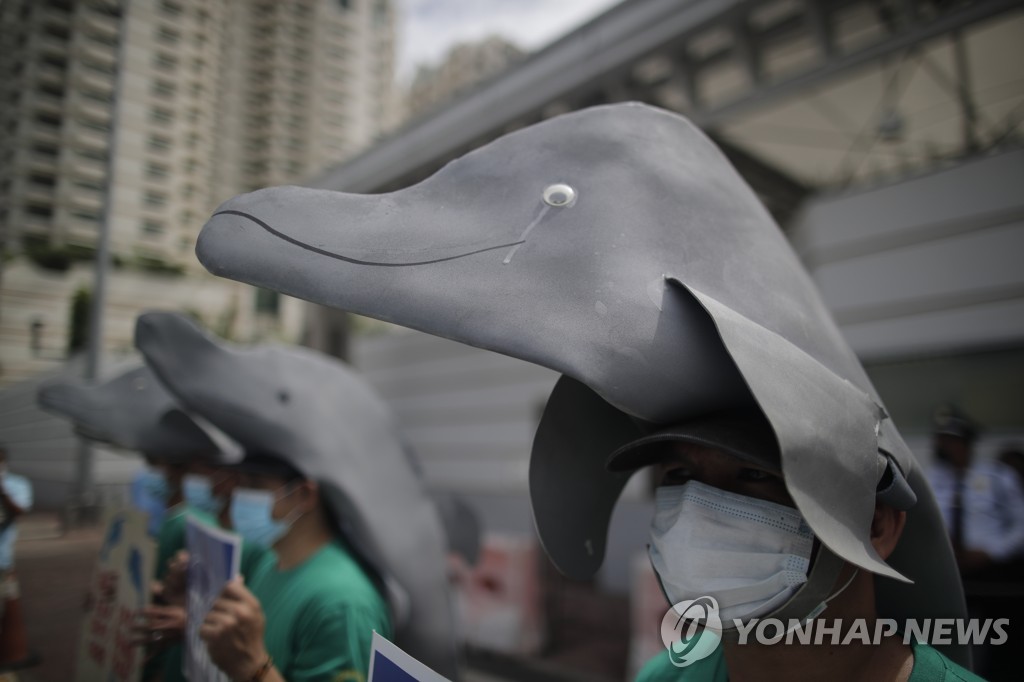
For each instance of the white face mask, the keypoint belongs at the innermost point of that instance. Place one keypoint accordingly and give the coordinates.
(750, 555)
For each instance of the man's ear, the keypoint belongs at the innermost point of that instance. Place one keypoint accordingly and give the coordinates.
(886, 528)
(310, 495)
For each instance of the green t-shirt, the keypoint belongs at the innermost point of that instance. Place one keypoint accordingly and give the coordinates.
(320, 616)
(929, 666)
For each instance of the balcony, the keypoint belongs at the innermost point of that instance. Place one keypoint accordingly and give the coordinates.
(88, 137)
(44, 132)
(101, 54)
(92, 109)
(40, 161)
(51, 45)
(86, 200)
(90, 169)
(97, 81)
(39, 193)
(44, 101)
(47, 73)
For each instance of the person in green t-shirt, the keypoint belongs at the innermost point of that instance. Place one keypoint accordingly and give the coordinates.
(308, 614)
(206, 490)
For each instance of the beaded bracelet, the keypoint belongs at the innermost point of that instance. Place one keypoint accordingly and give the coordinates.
(264, 669)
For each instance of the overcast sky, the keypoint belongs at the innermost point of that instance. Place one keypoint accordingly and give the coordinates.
(429, 27)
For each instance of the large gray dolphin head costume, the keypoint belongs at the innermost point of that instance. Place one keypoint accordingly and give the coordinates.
(617, 246)
(131, 410)
(323, 420)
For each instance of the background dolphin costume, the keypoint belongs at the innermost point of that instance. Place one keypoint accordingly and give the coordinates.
(133, 411)
(618, 246)
(332, 428)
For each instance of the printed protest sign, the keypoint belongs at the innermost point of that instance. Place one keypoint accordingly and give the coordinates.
(213, 560)
(388, 663)
(119, 589)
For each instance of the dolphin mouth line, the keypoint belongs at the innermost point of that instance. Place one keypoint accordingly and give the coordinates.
(338, 256)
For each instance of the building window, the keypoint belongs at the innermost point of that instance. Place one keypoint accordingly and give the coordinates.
(94, 125)
(152, 227)
(55, 61)
(91, 185)
(51, 89)
(171, 8)
(97, 67)
(163, 88)
(95, 96)
(104, 38)
(93, 154)
(161, 115)
(39, 211)
(167, 35)
(87, 216)
(155, 171)
(60, 32)
(154, 199)
(165, 62)
(45, 149)
(46, 118)
(267, 302)
(159, 142)
(42, 180)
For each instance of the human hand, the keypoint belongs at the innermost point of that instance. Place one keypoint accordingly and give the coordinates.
(174, 589)
(159, 625)
(233, 632)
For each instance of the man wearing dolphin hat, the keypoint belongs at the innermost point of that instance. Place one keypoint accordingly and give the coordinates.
(133, 411)
(327, 482)
(617, 246)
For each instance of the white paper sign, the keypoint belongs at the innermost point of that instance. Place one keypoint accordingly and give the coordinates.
(388, 663)
(213, 559)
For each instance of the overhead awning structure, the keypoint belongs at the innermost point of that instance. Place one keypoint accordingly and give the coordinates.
(803, 95)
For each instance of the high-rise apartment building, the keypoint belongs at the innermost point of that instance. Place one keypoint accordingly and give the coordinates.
(464, 66)
(197, 100)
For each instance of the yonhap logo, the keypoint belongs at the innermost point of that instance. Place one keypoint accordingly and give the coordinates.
(691, 630)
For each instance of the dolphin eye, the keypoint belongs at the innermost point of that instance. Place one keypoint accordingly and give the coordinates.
(559, 195)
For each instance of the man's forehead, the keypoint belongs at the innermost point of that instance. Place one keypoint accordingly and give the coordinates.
(687, 452)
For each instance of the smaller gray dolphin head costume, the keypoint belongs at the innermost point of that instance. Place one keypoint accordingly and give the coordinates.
(316, 415)
(132, 411)
(618, 246)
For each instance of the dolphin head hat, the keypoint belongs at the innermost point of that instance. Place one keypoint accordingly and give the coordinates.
(132, 410)
(316, 415)
(618, 246)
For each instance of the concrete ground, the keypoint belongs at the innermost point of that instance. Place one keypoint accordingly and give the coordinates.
(54, 571)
